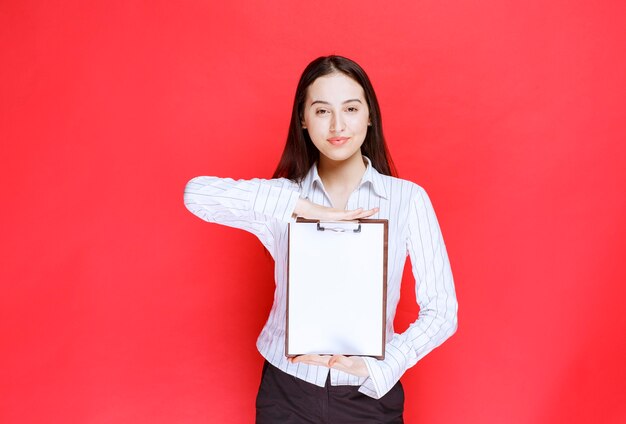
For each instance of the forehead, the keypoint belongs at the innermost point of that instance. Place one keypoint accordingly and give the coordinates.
(335, 88)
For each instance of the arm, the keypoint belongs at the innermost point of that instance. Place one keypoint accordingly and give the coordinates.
(435, 295)
(252, 205)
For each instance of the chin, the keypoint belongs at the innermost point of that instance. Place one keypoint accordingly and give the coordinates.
(339, 156)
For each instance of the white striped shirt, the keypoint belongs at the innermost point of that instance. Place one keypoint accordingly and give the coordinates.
(265, 208)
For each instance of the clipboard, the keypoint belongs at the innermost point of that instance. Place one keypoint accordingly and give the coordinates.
(337, 288)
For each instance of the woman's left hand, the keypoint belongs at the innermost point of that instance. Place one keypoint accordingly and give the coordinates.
(351, 364)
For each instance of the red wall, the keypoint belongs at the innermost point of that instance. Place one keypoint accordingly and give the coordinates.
(119, 306)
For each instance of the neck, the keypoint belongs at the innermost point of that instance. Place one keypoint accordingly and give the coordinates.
(342, 175)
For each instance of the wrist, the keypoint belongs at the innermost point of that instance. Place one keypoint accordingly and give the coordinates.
(302, 207)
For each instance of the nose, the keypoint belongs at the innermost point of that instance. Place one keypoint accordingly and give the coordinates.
(337, 124)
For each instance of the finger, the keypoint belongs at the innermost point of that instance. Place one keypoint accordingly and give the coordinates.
(339, 361)
(340, 215)
(368, 213)
(365, 214)
(358, 213)
(351, 365)
(311, 359)
(353, 214)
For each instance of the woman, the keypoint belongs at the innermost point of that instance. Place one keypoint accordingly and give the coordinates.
(335, 166)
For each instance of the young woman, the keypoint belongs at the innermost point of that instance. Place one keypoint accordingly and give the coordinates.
(335, 166)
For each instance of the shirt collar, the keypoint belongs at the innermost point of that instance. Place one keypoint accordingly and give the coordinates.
(371, 176)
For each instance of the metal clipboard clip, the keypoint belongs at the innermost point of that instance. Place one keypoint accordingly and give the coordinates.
(338, 227)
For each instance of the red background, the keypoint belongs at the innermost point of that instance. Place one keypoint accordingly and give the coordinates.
(119, 306)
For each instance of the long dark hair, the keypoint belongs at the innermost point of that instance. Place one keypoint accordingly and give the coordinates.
(300, 153)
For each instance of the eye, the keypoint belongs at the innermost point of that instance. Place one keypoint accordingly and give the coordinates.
(321, 111)
(352, 109)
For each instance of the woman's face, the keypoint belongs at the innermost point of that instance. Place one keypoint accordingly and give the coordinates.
(336, 116)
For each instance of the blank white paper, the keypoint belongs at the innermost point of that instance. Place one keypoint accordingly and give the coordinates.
(336, 290)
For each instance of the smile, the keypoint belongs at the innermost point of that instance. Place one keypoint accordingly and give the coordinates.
(338, 141)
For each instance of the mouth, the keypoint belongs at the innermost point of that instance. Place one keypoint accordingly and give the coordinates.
(338, 141)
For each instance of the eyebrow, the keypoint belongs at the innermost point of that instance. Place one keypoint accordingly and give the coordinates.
(327, 103)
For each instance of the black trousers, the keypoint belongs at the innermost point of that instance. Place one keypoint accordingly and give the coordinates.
(284, 399)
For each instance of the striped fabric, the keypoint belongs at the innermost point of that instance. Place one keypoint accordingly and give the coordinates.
(265, 207)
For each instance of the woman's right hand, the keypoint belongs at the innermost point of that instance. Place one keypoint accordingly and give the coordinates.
(306, 209)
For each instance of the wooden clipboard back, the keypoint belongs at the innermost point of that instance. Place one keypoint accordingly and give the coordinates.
(337, 288)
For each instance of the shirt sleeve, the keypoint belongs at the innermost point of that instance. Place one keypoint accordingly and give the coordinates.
(251, 205)
(435, 295)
